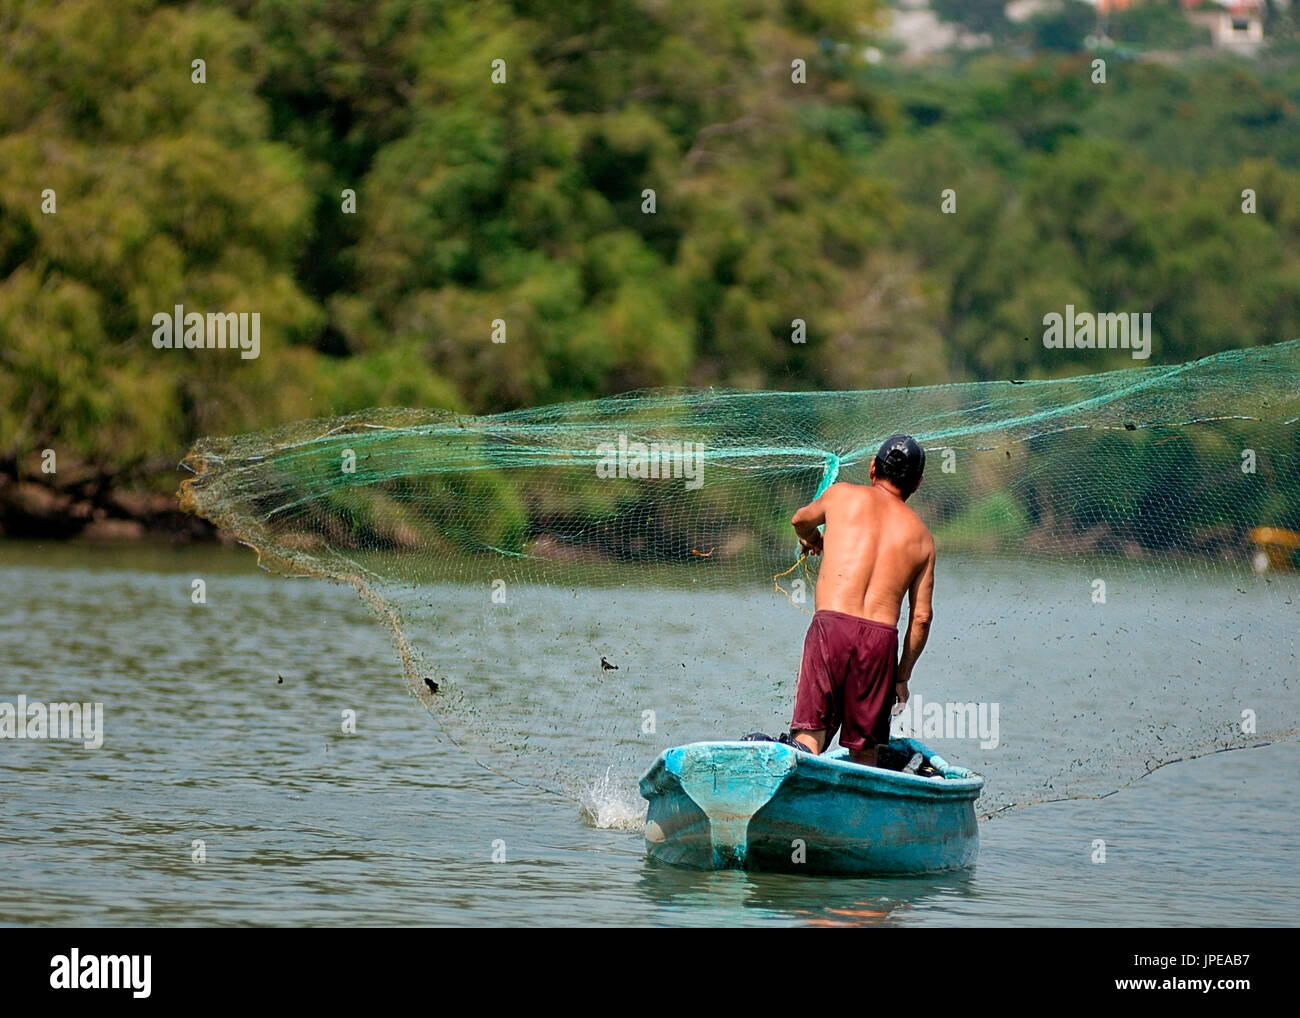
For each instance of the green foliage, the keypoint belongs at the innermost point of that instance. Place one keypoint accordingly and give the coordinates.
(975, 15)
(1066, 194)
(523, 202)
(1064, 26)
(1156, 24)
(996, 522)
(168, 192)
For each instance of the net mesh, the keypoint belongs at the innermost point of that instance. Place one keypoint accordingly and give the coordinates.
(572, 588)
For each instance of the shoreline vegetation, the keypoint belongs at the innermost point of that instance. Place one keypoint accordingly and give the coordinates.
(597, 566)
(79, 501)
(918, 222)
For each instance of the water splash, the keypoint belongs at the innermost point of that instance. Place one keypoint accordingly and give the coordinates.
(610, 804)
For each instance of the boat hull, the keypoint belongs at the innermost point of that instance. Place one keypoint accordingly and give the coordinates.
(765, 806)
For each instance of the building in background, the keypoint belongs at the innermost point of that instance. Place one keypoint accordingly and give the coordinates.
(1236, 25)
(920, 29)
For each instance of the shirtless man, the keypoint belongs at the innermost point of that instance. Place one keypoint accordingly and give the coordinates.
(874, 550)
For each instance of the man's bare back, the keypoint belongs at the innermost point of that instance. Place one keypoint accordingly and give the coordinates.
(874, 550)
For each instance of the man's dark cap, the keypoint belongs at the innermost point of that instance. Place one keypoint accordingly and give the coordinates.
(902, 461)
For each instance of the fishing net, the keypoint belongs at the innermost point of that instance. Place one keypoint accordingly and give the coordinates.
(573, 588)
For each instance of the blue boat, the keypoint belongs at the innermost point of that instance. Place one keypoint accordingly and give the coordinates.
(766, 806)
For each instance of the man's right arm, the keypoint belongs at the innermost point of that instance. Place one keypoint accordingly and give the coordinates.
(807, 521)
(918, 622)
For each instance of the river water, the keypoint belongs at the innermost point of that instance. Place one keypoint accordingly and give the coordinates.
(226, 791)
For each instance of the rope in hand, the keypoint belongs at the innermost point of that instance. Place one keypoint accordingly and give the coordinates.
(808, 574)
(829, 476)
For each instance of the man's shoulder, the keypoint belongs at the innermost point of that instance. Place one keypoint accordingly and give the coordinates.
(923, 534)
(848, 493)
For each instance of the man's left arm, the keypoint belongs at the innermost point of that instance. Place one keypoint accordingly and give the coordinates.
(920, 596)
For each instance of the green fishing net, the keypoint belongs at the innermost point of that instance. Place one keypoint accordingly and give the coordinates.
(573, 588)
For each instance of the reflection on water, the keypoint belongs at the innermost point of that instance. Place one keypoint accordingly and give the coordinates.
(801, 901)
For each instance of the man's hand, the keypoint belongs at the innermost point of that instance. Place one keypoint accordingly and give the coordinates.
(901, 691)
(812, 544)
(807, 523)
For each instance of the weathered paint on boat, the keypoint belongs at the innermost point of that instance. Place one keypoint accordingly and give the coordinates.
(765, 806)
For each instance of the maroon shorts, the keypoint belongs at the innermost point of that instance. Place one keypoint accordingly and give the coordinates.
(847, 679)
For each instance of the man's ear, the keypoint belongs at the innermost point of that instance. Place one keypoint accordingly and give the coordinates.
(871, 470)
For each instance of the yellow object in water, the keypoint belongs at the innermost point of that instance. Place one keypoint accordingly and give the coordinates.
(1275, 547)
